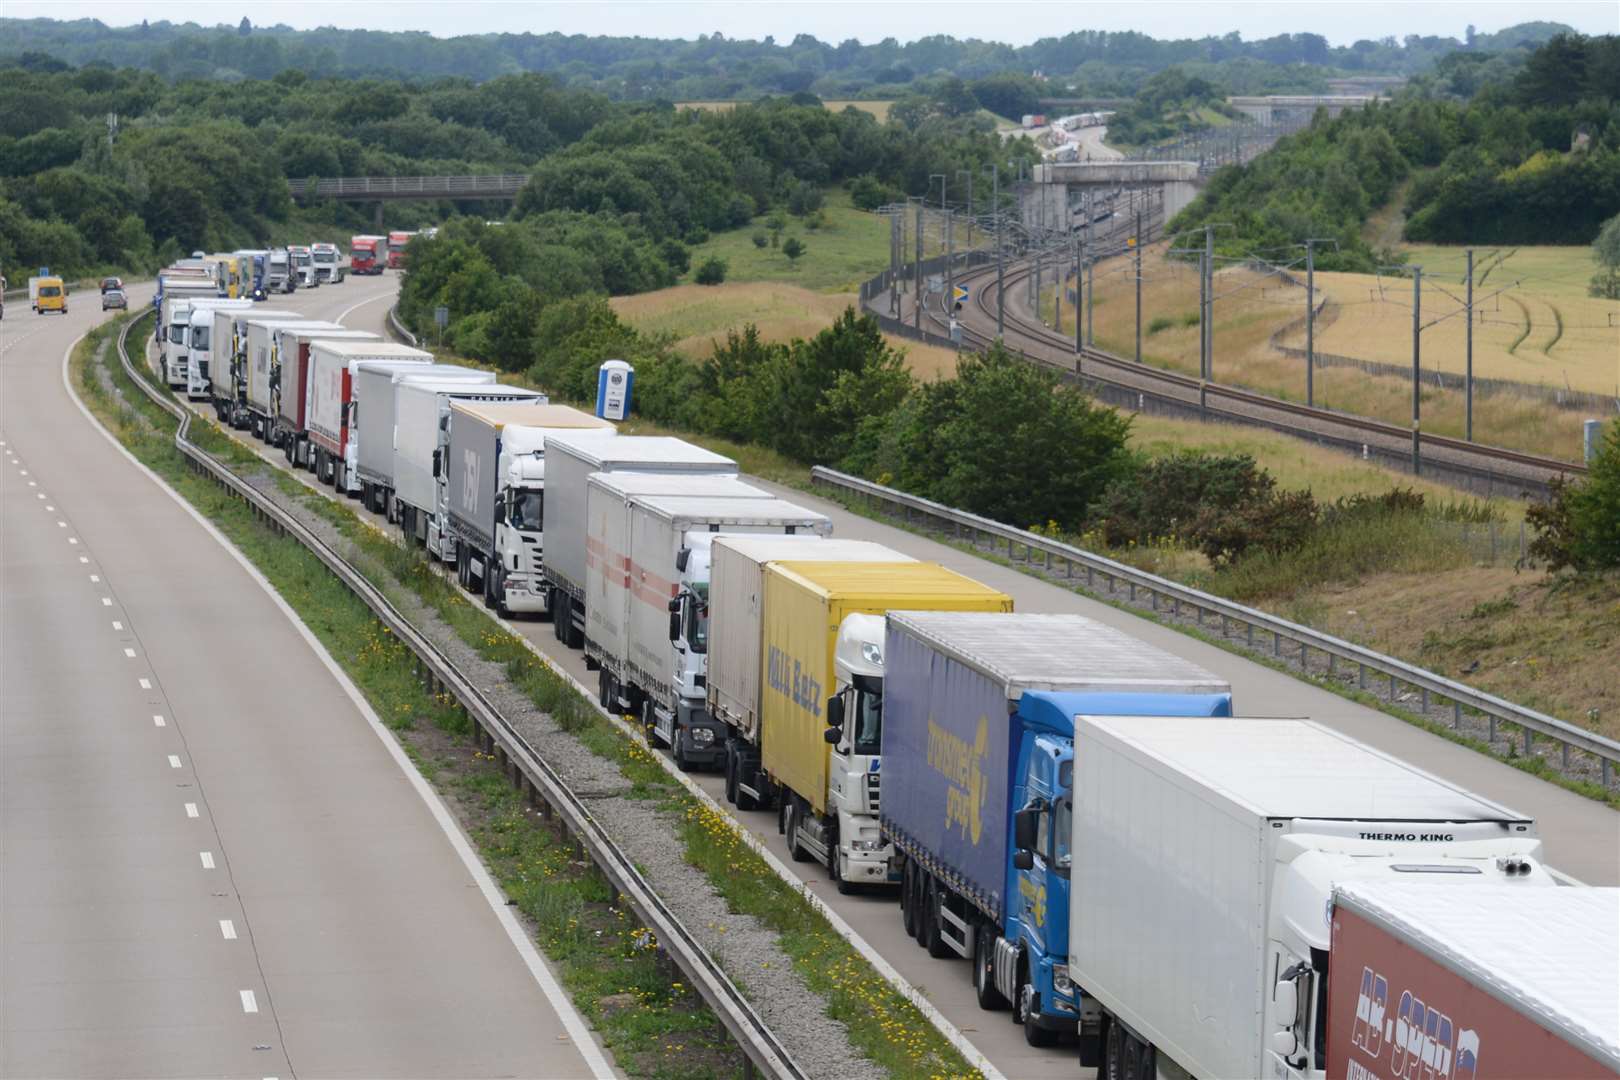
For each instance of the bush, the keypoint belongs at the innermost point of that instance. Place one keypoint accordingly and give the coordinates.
(793, 247)
(1159, 324)
(712, 271)
(806, 198)
(1578, 526)
(761, 240)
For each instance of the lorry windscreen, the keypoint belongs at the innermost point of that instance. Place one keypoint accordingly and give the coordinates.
(528, 511)
(300, 258)
(177, 333)
(199, 336)
(326, 256)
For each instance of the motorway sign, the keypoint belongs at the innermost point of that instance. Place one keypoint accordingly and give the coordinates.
(960, 295)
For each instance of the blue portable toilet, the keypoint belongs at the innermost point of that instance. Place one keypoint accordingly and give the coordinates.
(614, 380)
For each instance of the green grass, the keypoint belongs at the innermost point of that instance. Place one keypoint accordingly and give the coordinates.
(851, 247)
(881, 1023)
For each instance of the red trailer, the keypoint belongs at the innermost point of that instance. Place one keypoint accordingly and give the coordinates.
(365, 254)
(396, 248)
(1499, 981)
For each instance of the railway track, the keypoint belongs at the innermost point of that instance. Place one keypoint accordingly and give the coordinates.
(1121, 381)
(764, 1051)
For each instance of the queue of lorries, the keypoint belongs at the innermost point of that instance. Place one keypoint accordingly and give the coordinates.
(1127, 863)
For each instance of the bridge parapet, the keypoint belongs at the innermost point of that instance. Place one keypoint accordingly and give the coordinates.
(378, 188)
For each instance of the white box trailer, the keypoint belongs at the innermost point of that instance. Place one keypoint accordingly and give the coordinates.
(571, 459)
(421, 414)
(495, 476)
(227, 372)
(285, 389)
(373, 368)
(199, 341)
(294, 343)
(736, 602)
(641, 559)
(259, 342)
(1204, 856)
(333, 414)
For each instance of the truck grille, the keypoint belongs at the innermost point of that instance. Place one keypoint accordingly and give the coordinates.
(873, 781)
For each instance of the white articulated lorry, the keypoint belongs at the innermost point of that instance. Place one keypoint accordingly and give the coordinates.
(264, 368)
(421, 416)
(374, 421)
(333, 413)
(228, 360)
(174, 315)
(495, 475)
(570, 461)
(199, 342)
(1205, 853)
(648, 542)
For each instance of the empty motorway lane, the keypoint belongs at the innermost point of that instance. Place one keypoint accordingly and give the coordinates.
(210, 862)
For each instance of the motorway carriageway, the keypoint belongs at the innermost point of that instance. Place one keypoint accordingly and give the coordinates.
(1582, 837)
(213, 860)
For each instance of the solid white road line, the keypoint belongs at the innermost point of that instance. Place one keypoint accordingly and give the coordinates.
(191, 809)
(250, 1004)
(227, 929)
(207, 859)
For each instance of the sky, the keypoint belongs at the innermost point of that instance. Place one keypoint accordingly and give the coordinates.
(1016, 22)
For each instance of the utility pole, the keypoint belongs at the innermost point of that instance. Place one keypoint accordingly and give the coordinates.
(1206, 308)
(1079, 261)
(1468, 378)
(917, 288)
(1138, 246)
(1417, 367)
(969, 174)
(1310, 323)
(1001, 255)
(1091, 298)
(950, 269)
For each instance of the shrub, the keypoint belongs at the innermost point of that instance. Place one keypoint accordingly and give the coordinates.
(712, 271)
(1159, 324)
(1578, 526)
(760, 239)
(793, 247)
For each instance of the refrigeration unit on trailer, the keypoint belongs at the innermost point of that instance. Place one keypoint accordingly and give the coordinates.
(371, 445)
(570, 461)
(1205, 853)
(495, 473)
(979, 777)
(199, 342)
(293, 343)
(262, 367)
(332, 418)
(649, 543)
(421, 417)
(1504, 983)
(228, 358)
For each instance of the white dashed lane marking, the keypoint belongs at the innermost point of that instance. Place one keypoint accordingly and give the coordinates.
(130, 653)
(191, 809)
(207, 859)
(106, 601)
(146, 684)
(250, 1004)
(227, 929)
(158, 721)
(174, 761)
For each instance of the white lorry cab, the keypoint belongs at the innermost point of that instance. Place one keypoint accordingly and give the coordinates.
(199, 318)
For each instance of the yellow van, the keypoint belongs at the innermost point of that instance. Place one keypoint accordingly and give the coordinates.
(51, 295)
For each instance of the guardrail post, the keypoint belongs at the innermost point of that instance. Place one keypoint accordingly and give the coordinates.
(1276, 643)
(1493, 731)
(1605, 767)
(1528, 748)
(1361, 676)
(1456, 714)
(1564, 755)
(1425, 691)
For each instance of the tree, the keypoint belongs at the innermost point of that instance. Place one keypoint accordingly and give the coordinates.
(793, 248)
(244, 28)
(712, 271)
(761, 240)
(1606, 252)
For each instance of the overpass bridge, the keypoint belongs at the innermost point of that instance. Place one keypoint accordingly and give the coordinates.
(381, 189)
(1274, 108)
(1047, 199)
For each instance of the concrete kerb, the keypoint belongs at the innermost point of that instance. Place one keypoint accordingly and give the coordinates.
(900, 984)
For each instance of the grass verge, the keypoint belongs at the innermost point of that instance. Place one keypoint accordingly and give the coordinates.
(642, 1013)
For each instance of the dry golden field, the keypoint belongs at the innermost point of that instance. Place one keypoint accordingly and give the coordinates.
(697, 316)
(1534, 325)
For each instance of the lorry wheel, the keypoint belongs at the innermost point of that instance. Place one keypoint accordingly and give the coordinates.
(678, 751)
(905, 900)
(984, 973)
(1034, 1034)
(559, 614)
(1113, 1062)
(745, 801)
(796, 851)
(604, 689)
(933, 940)
(1139, 1060)
(731, 777)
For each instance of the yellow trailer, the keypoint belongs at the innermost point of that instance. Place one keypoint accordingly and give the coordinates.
(823, 638)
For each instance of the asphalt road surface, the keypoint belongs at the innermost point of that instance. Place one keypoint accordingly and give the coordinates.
(211, 863)
(1582, 837)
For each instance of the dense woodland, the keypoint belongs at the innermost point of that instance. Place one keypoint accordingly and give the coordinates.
(1530, 156)
(716, 67)
(619, 187)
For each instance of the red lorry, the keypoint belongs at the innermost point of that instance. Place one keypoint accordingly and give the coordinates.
(396, 249)
(1497, 981)
(365, 254)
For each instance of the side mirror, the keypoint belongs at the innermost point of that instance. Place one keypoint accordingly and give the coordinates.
(681, 558)
(1024, 828)
(1023, 860)
(674, 605)
(674, 626)
(835, 712)
(500, 511)
(1283, 1043)
(833, 735)
(1286, 994)
(435, 464)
